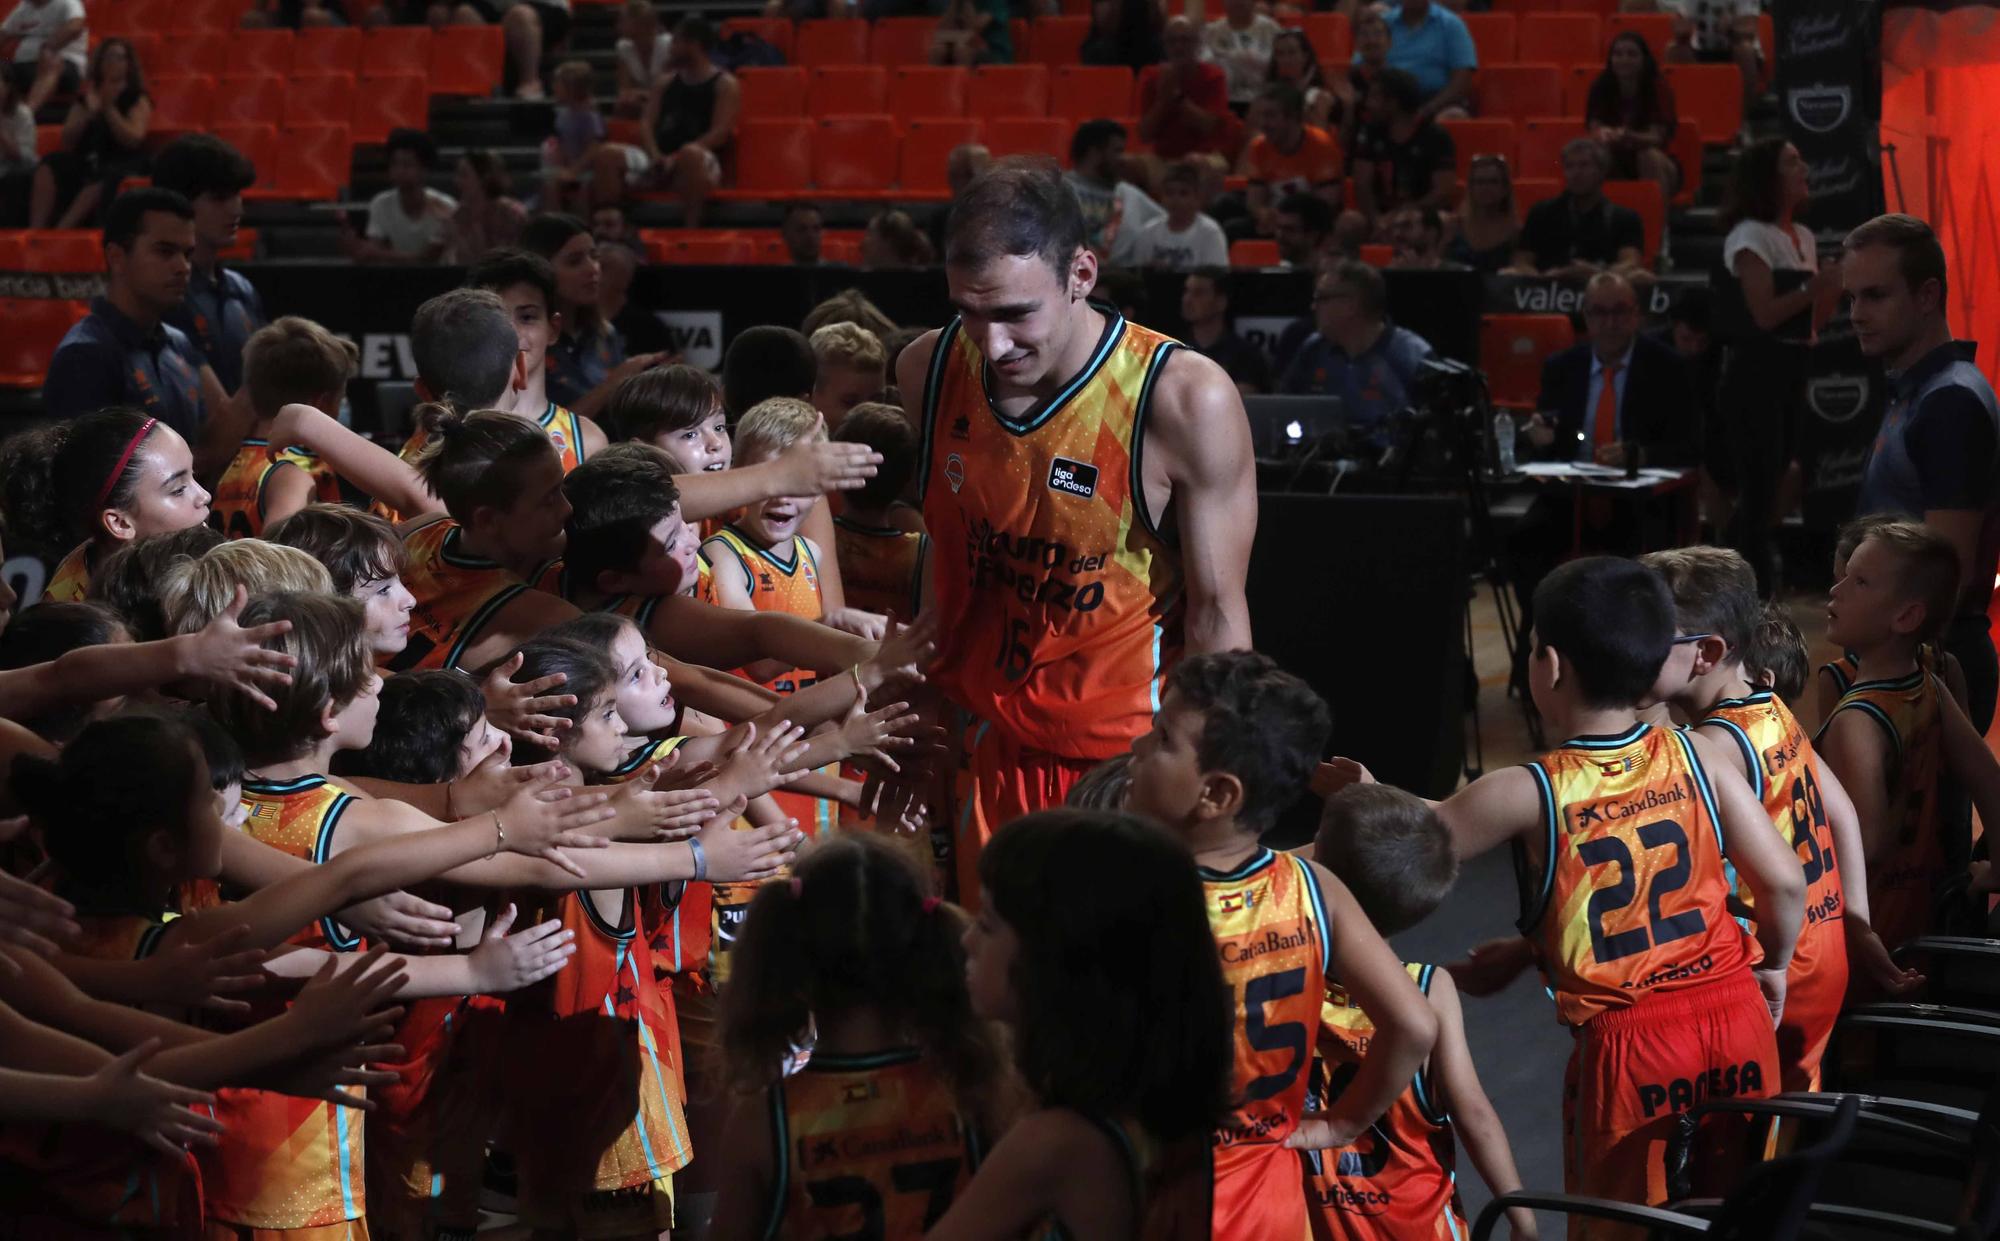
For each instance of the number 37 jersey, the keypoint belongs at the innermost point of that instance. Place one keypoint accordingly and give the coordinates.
(1628, 898)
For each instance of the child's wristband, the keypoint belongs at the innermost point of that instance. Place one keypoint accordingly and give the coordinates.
(700, 859)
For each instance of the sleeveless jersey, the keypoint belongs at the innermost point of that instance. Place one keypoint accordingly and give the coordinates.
(282, 1161)
(1397, 1180)
(1631, 895)
(69, 581)
(1842, 671)
(869, 1146)
(458, 595)
(564, 428)
(237, 508)
(673, 917)
(878, 566)
(1060, 597)
(1910, 712)
(553, 578)
(1172, 1183)
(786, 582)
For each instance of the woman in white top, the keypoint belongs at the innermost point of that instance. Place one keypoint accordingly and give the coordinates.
(1240, 42)
(1764, 375)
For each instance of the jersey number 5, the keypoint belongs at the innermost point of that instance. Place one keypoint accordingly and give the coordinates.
(1287, 1036)
(1663, 928)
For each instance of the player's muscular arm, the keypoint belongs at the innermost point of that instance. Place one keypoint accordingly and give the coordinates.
(1198, 459)
(1052, 1163)
(1856, 754)
(1766, 864)
(1405, 1026)
(1472, 1115)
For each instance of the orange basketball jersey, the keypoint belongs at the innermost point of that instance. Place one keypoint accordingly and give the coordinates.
(866, 1146)
(878, 566)
(70, 579)
(1630, 897)
(1910, 712)
(554, 578)
(564, 428)
(458, 595)
(237, 508)
(1059, 597)
(1270, 929)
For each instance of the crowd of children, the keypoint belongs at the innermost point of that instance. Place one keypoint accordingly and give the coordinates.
(541, 808)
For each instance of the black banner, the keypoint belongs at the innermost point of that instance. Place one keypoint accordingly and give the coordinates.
(1829, 80)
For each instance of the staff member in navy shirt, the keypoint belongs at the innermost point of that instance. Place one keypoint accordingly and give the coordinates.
(222, 308)
(124, 353)
(1356, 354)
(1937, 456)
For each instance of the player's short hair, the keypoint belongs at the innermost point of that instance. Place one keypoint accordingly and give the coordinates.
(1855, 529)
(886, 429)
(849, 306)
(294, 361)
(463, 345)
(1919, 254)
(1715, 591)
(195, 592)
(660, 401)
(1612, 621)
(1391, 850)
(418, 731)
(770, 427)
(354, 546)
(1777, 654)
(763, 362)
(1016, 209)
(1260, 724)
(475, 461)
(616, 498)
(1926, 572)
(128, 580)
(849, 345)
(512, 267)
(196, 164)
(1104, 786)
(47, 631)
(329, 640)
(125, 218)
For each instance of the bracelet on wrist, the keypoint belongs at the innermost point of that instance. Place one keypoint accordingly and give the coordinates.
(700, 859)
(499, 833)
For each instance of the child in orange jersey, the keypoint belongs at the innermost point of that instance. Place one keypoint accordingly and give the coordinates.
(1121, 1032)
(526, 285)
(1896, 733)
(1621, 836)
(880, 540)
(1233, 744)
(856, 967)
(1836, 676)
(1396, 1182)
(1715, 603)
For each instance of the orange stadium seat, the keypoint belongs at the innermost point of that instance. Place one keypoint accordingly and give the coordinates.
(35, 326)
(846, 90)
(1029, 135)
(218, 16)
(773, 158)
(774, 91)
(1008, 90)
(902, 40)
(330, 49)
(1086, 92)
(313, 162)
(1559, 38)
(389, 101)
(401, 49)
(146, 46)
(1515, 8)
(1657, 29)
(245, 99)
(260, 51)
(258, 143)
(1542, 141)
(832, 41)
(318, 99)
(1603, 8)
(1493, 36)
(182, 105)
(1531, 190)
(714, 249)
(63, 250)
(1054, 41)
(927, 90)
(1331, 36)
(1686, 148)
(201, 52)
(245, 249)
(13, 249)
(1519, 90)
(776, 31)
(467, 61)
(1254, 252)
(1512, 349)
(1712, 95)
(855, 154)
(1378, 254)
(840, 249)
(1577, 81)
(927, 144)
(1481, 136)
(1645, 198)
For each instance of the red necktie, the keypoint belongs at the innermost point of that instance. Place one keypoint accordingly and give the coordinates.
(1604, 429)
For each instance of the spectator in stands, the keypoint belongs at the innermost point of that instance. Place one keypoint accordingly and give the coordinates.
(1618, 387)
(1123, 32)
(1401, 157)
(1488, 229)
(487, 218)
(1287, 156)
(850, 366)
(1430, 42)
(1714, 32)
(1631, 110)
(972, 32)
(570, 153)
(1294, 61)
(1241, 41)
(409, 222)
(1356, 354)
(1418, 235)
(1205, 307)
(1184, 103)
(1350, 89)
(44, 43)
(690, 121)
(609, 224)
(589, 358)
(643, 56)
(1302, 226)
(1111, 205)
(762, 362)
(1789, 295)
(1580, 232)
(103, 142)
(849, 306)
(1185, 237)
(802, 231)
(124, 352)
(893, 242)
(641, 331)
(221, 308)
(18, 156)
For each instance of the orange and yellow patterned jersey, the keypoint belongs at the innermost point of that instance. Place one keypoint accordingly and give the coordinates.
(565, 431)
(1397, 1179)
(1270, 929)
(704, 587)
(1631, 895)
(1910, 712)
(553, 578)
(878, 566)
(777, 581)
(69, 581)
(458, 595)
(299, 817)
(1059, 599)
(866, 1145)
(237, 508)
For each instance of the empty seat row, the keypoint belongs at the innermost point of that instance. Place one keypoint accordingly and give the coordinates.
(457, 60)
(370, 107)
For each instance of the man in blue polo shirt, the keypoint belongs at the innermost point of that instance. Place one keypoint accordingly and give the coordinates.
(1357, 354)
(222, 308)
(124, 353)
(1431, 42)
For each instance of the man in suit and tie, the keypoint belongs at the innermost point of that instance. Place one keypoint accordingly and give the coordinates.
(1619, 387)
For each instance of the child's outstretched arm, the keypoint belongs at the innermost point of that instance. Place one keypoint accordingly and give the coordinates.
(396, 917)
(1771, 870)
(118, 1094)
(808, 468)
(500, 964)
(1472, 1115)
(378, 472)
(1866, 953)
(730, 637)
(1405, 1026)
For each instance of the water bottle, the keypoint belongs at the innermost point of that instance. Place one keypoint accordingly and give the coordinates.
(1503, 443)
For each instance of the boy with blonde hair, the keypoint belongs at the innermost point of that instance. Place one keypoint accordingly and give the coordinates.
(853, 367)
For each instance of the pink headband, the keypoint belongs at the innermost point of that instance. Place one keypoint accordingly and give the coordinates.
(124, 459)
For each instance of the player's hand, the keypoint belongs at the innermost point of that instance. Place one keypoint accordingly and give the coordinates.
(1336, 774)
(1324, 1133)
(31, 917)
(762, 761)
(869, 625)
(747, 856)
(905, 655)
(504, 962)
(521, 710)
(545, 817)
(402, 919)
(122, 1096)
(1772, 984)
(645, 812)
(1490, 967)
(1868, 958)
(205, 975)
(348, 1007)
(489, 785)
(895, 803)
(815, 467)
(327, 1075)
(226, 654)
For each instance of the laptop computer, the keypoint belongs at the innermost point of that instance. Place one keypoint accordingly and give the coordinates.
(1282, 425)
